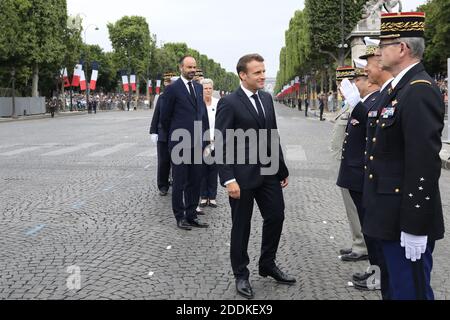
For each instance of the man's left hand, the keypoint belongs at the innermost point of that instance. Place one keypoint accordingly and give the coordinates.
(285, 183)
(414, 246)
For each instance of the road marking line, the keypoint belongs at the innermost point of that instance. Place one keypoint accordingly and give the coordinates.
(28, 149)
(78, 205)
(109, 151)
(147, 154)
(35, 230)
(70, 149)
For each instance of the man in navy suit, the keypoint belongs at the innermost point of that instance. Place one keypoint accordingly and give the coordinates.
(251, 110)
(184, 117)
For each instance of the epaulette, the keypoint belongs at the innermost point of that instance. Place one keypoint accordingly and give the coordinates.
(421, 81)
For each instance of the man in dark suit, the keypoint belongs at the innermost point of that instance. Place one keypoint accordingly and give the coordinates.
(184, 117)
(402, 197)
(159, 136)
(251, 110)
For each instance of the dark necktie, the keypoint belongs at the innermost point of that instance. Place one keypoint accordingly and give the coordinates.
(191, 92)
(260, 110)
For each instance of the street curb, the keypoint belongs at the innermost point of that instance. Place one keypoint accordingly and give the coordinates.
(43, 116)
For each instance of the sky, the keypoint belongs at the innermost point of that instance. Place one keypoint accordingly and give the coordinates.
(224, 30)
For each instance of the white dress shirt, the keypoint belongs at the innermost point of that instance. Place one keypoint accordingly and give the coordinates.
(399, 77)
(249, 95)
(185, 81)
(386, 84)
(212, 110)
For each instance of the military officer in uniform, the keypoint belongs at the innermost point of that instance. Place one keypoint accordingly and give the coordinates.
(159, 137)
(358, 250)
(402, 197)
(351, 175)
(368, 118)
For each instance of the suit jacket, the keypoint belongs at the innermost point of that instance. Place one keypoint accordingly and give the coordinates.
(401, 192)
(180, 111)
(156, 127)
(351, 173)
(235, 111)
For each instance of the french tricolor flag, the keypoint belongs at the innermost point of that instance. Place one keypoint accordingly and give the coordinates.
(158, 86)
(126, 86)
(150, 86)
(77, 75)
(133, 82)
(65, 77)
(94, 76)
(82, 81)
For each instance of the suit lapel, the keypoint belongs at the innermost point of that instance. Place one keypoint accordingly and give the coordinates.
(186, 92)
(266, 104)
(246, 101)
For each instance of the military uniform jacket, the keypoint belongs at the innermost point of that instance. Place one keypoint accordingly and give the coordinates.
(403, 166)
(351, 173)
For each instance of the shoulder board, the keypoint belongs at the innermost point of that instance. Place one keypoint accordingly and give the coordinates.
(421, 81)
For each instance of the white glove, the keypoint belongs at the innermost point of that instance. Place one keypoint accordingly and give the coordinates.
(414, 246)
(154, 138)
(350, 92)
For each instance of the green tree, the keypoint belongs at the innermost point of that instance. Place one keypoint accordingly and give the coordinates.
(437, 35)
(47, 24)
(327, 29)
(132, 44)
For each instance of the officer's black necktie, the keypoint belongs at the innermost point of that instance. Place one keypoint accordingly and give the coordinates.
(260, 110)
(191, 92)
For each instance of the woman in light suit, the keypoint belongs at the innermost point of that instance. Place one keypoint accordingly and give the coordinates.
(208, 191)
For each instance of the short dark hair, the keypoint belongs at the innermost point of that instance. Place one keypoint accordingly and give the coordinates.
(181, 62)
(245, 60)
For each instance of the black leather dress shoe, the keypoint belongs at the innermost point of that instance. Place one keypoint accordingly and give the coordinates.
(244, 288)
(183, 225)
(353, 257)
(364, 285)
(196, 223)
(277, 274)
(345, 251)
(361, 276)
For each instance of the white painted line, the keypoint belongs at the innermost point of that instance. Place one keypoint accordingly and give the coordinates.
(150, 274)
(169, 248)
(28, 149)
(295, 153)
(109, 151)
(147, 166)
(148, 153)
(70, 149)
(8, 146)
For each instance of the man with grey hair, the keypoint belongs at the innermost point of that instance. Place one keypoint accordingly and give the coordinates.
(401, 197)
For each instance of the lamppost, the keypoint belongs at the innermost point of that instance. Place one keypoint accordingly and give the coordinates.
(86, 66)
(342, 46)
(13, 85)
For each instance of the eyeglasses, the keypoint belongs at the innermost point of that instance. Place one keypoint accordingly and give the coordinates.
(381, 46)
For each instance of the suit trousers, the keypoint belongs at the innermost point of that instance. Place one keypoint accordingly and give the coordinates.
(186, 189)
(269, 198)
(209, 181)
(163, 166)
(358, 244)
